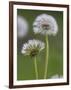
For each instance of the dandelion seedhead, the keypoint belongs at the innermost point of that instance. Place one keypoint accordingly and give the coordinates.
(22, 27)
(32, 47)
(45, 25)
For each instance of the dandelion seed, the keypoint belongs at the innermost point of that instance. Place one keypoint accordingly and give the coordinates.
(56, 76)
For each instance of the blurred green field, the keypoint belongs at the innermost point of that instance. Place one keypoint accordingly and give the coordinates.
(25, 64)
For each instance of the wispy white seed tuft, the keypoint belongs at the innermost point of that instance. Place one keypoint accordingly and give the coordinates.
(22, 27)
(32, 47)
(45, 24)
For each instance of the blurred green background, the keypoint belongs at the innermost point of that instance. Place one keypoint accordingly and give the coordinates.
(25, 64)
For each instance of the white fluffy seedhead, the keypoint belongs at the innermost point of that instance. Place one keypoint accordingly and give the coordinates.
(22, 27)
(45, 24)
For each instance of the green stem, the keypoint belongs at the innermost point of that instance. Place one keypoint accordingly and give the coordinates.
(46, 58)
(35, 64)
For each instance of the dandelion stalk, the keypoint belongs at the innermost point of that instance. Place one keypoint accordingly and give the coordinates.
(35, 64)
(46, 58)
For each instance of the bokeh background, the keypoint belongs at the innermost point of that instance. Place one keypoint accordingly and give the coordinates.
(25, 64)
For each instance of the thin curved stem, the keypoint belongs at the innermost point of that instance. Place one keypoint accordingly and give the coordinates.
(35, 64)
(46, 57)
